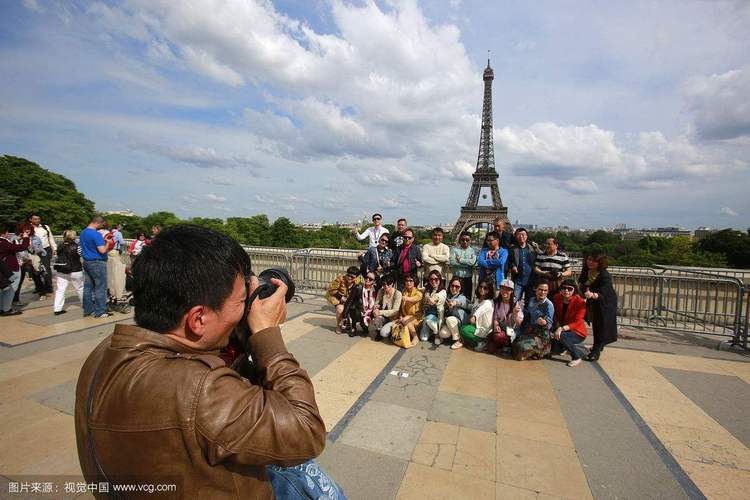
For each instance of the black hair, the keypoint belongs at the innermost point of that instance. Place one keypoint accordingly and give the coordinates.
(460, 285)
(388, 279)
(554, 240)
(185, 266)
(429, 287)
(401, 219)
(490, 289)
(541, 281)
(511, 301)
(353, 270)
(521, 229)
(438, 230)
(465, 233)
(8, 226)
(377, 215)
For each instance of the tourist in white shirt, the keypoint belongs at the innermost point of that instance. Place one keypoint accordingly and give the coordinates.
(374, 232)
(435, 255)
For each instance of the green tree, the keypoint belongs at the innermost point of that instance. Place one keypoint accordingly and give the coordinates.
(28, 188)
(733, 244)
(285, 234)
(253, 230)
(215, 224)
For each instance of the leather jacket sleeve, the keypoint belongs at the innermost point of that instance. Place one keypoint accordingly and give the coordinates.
(276, 422)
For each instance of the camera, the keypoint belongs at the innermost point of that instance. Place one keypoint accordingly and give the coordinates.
(264, 290)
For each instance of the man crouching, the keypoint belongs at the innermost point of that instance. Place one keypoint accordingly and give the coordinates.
(156, 404)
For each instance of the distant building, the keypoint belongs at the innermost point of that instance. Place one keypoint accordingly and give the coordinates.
(124, 213)
(702, 232)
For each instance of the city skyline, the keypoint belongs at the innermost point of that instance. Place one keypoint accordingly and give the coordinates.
(639, 114)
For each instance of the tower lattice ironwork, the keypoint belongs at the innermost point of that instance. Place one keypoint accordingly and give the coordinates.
(485, 175)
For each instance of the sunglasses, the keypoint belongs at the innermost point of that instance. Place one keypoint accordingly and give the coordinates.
(408, 237)
(383, 240)
(408, 281)
(434, 279)
(376, 218)
(369, 279)
(567, 288)
(455, 286)
(483, 288)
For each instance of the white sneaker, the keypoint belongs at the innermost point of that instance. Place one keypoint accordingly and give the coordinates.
(574, 363)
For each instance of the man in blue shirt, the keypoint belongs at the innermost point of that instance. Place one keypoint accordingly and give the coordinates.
(94, 252)
(492, 259)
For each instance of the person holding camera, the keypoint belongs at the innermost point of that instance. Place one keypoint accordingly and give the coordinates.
(10, 271)
(156, 404)
(552, 265)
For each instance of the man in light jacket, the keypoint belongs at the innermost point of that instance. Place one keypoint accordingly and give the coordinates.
(435, 255)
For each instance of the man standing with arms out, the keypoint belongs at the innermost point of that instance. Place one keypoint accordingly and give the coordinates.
(44, 233)
(94, 252)
(462, 261)
(522, 261)
(374, 232)
(552, 265)
(435, 255)
(492, 259)
(156, 404)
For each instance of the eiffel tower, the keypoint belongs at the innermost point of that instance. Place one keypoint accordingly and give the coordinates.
(485, 175)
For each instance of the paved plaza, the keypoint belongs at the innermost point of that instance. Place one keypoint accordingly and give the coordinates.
(660, 416)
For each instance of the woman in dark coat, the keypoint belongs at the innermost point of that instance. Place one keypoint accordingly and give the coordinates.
(601, 301)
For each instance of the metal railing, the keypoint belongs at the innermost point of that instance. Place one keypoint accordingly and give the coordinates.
(710, 301)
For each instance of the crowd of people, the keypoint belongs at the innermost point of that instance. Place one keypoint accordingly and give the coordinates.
(526, 303)
(92, 263)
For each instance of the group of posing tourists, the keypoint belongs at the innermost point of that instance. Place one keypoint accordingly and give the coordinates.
(526, 303)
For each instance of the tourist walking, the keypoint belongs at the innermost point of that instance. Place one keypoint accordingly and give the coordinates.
(9, 265)
(94, 252)
(68, 271)
(601, 301)
(47, 240)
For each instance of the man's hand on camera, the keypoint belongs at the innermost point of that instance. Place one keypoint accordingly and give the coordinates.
(268, 312)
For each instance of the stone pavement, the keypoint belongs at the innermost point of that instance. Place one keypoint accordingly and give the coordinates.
(653, 419)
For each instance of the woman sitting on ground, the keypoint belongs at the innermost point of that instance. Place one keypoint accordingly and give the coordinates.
(69, 270)
(534, 341)
(601, 301)
(570, 329)
(506, 318)
(360, 304)
(338, 291)
(475, 331)
(456, 312)
(387, 305)
(411, 312)
(433, 306)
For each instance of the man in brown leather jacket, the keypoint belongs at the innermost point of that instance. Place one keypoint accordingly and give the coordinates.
(156, 405)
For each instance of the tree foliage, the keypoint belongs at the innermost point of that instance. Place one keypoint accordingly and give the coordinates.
(28, 188)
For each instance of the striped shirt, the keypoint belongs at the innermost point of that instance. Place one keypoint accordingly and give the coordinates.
(549, 263)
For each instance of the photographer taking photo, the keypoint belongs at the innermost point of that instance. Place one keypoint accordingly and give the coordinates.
(156, 404)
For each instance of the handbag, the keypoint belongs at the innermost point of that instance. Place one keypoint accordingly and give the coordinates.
(401, 337)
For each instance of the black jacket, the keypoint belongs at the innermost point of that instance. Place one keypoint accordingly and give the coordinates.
(602, 312)
(69, 253)
(414, 256)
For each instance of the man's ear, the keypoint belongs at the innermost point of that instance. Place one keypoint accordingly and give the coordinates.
(195, 322)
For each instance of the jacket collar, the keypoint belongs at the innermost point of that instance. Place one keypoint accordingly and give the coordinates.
(132, 336)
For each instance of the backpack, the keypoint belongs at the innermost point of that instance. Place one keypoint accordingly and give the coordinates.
(62, 265)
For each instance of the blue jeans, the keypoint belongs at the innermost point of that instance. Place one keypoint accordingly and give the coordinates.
(94, 287)
(6, 296)
(519, 290)
(569, 342)
(304, 481)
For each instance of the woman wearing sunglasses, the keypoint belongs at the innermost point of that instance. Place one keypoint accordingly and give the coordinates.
(479, 325)
(601, 301)
(570, 329)
(360, 304)
(433, 306)
(409, 259)
(456, 312)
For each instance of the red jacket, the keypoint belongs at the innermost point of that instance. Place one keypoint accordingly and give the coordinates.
(574, 315)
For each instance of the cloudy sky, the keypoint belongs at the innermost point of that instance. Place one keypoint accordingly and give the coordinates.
(631, 112)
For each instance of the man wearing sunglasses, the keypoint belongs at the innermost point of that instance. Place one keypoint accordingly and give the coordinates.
(374, 232)
(379, 259)
(463, 259)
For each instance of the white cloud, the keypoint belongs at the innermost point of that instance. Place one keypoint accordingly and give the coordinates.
(720, 104)
(215, 197)
(33, 5)
(728, 211)
(460, 170)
